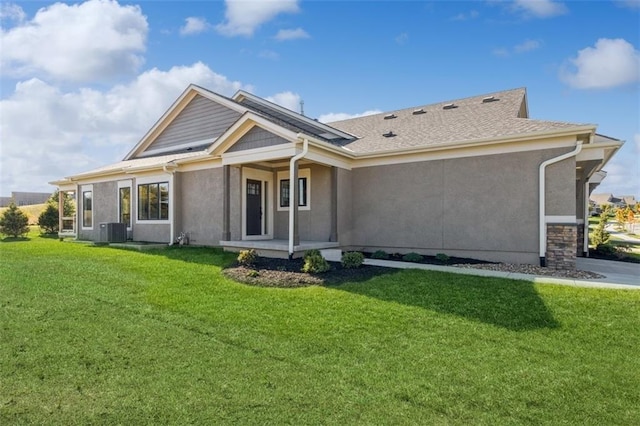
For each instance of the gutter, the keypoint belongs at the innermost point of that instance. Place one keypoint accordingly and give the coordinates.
(541, 199)
(293, 186)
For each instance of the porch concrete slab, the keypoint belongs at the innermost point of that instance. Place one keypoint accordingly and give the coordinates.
(613, 281)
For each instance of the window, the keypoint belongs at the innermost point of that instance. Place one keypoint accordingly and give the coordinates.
(87, 209)
(125, 205)
(303, 188)
(153, 201)
(285, 193)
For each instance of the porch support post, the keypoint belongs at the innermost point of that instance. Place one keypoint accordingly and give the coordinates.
(334, 204)
(293, 196)
(60, 211)
(226, 203)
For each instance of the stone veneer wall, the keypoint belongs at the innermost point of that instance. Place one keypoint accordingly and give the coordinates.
(561, 246)
(580, 240)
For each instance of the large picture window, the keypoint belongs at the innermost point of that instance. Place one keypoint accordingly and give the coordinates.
(153, 201)
(125, 205)
(87, 209)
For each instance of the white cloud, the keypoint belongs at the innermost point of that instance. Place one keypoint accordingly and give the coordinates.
(269, 54)
(339, 116)
(11, 12)
(288, 100)
(243, 17)
(91, 41)
(402, 38)
(610, 63)
(527, 46)
(296, 34)
(466, 16)
(86, 128)
(194, 25)
(631, 4)
(539, 8)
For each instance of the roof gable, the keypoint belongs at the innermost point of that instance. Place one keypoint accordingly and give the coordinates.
(192, 122)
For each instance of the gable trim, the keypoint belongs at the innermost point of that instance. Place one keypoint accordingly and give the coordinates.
(178, 106)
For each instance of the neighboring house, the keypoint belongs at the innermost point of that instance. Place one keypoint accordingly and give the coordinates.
(473, 177)
(610, 199)
(25, 198)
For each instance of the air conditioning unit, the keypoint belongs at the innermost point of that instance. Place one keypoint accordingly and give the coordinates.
(113, 232)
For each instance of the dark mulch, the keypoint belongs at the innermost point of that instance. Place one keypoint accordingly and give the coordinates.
(433, 260)
(268, 272)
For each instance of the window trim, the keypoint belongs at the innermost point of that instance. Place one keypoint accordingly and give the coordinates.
(302, 174)
(84, 189)
(132, 201)
(156, 179)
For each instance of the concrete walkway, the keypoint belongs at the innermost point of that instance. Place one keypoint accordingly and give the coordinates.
(619, 275)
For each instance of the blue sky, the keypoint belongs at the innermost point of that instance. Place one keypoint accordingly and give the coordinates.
(82, 82)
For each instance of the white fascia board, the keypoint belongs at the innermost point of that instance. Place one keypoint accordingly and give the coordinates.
(241, 94)
(175, 108)
(274, 152)
(327, 158)
(460, 151)
(525, 137)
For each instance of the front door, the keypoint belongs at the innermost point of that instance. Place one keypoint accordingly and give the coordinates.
(254, 207)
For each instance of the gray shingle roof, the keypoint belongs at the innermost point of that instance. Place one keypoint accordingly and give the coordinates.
(470, 120)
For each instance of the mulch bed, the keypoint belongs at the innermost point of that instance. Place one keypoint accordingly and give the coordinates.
(268, 272)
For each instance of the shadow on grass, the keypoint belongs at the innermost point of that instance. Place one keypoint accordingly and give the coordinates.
(14, 239)
(511, 304)
(201, 255)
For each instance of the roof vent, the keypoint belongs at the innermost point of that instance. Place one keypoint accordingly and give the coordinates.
(390, 116)
(389, 134)
(450, 106)
(489, 99)
(418, 111)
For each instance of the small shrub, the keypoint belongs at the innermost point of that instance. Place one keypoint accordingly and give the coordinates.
(312, 253)
(253, 274)
(48, 219)
(315, 264)
(443, 258)
(14, 223)
(412, 257)
(606, 250)
(247, 257)
(380, 254)
(622, 250)
(352, 260)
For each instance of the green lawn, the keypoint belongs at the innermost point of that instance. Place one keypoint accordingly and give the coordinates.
(96, 335)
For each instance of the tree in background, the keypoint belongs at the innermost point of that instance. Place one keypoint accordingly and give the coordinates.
(48, 220)
(621, 218)
(14, 222)
(600, 236)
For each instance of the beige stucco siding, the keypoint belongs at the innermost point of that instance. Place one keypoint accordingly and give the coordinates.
(313, 224)
(483, 207)
(105, 209)
(201, 198)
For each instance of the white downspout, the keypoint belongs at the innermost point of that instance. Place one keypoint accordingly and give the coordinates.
(293, 186)
(172, 203)
(541, 197)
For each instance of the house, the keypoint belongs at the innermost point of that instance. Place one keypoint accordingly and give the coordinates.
(608, 199)
(473, 177)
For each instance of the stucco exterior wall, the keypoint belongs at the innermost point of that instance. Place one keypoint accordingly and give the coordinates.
(345, 207)
(105, 209)
(313, 224)
(481, 207)
(201, 198)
